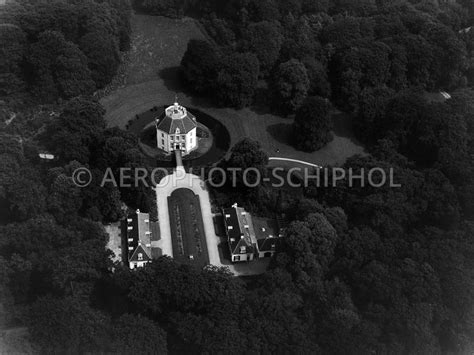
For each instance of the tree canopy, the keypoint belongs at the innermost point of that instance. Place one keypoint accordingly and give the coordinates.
(73, 47)
(313, 124)
(237, 80)
(291, 85)
(362, 269)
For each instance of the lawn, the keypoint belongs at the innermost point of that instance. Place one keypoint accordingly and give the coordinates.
(158, 45)
(187, 229)
(16, 341)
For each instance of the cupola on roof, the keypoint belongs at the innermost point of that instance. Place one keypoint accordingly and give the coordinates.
(176, 117)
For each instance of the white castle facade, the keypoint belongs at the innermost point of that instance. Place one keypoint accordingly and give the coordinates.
(176, 130)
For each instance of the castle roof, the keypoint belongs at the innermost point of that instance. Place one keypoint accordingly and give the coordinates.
(176, 120)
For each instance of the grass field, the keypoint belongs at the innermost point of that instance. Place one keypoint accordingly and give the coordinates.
(16, 341)
(158, 45)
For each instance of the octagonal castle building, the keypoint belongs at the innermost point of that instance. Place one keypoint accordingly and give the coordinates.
(176, 130)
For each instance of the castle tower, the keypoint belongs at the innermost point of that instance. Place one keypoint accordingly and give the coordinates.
(176, 130)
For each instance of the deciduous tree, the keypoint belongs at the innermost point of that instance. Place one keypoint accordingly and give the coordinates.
(313, 124)
(103, 57)
(291, 85)
(200, 66)
(59, 68)
(133, 333)
(237, 80)
(13, 47)
(264, 40)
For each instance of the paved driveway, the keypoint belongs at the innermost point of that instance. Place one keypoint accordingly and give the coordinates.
(180, 179)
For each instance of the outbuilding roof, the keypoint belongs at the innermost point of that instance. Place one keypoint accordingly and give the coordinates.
(139, 234)
(239, 229)
(140, 254)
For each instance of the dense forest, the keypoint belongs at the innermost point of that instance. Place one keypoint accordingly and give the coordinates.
(363, 270)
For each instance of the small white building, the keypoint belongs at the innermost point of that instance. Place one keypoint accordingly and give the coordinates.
(176, 130)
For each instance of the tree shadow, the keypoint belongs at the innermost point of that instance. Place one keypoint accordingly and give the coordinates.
(202, 101)
(281, 132)
(262, 103)
(342, 125)
(218, 220)
(172, 79)
(224, 252)
(123, 241)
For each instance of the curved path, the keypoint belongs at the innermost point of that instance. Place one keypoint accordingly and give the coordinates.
(295, 161)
